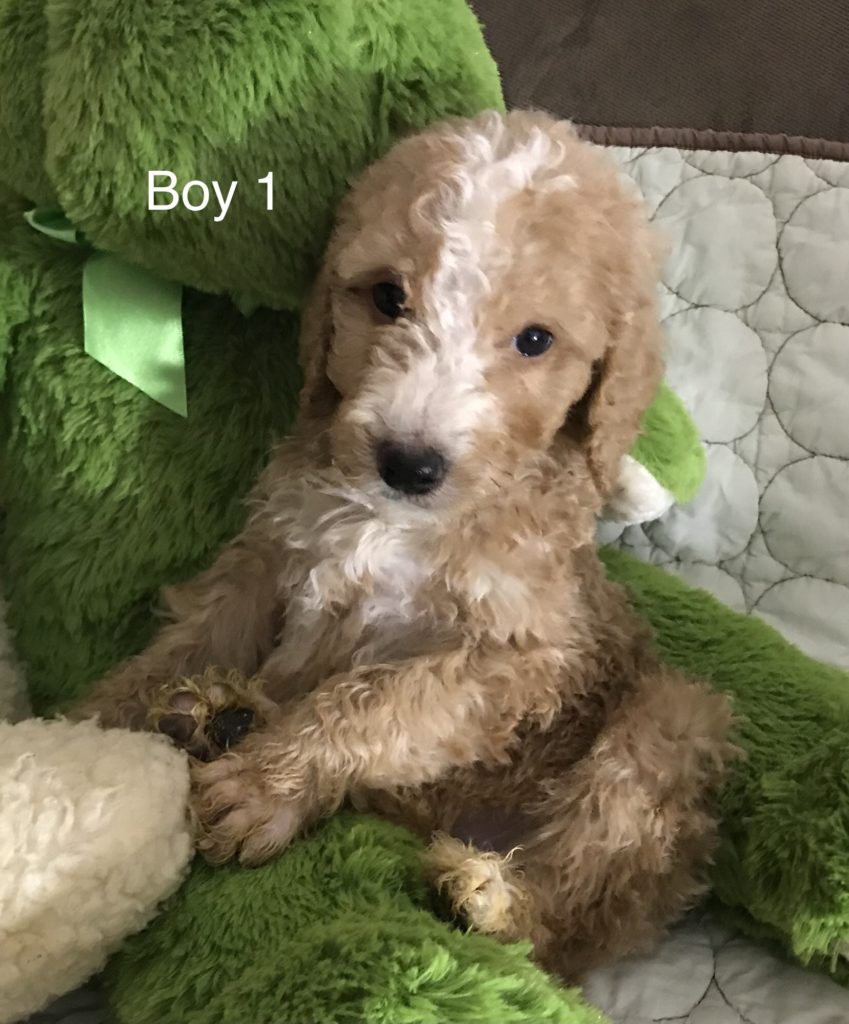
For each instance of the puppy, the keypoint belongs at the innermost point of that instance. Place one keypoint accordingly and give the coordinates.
(415, 613)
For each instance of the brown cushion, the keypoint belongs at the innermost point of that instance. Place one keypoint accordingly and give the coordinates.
(774, 66)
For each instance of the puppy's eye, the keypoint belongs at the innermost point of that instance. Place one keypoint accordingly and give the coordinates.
(388, 299)
(533, 341)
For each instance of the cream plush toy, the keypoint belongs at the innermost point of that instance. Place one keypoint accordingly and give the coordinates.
(93, 836)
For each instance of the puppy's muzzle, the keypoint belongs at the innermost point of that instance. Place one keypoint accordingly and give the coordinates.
(410, 470)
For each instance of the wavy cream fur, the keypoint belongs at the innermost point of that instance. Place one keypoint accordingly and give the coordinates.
(93, 835)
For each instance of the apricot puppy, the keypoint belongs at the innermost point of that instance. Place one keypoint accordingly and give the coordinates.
(417, 590)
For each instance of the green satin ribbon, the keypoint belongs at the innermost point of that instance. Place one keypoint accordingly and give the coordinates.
(132, 319)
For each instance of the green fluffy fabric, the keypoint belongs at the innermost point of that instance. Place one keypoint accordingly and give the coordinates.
(106, 494)
(669, 446)
(340, 929)
(228, 90)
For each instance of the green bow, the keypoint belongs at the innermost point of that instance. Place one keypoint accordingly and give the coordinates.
(132, 319)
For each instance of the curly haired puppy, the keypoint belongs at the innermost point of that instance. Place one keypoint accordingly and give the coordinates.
(415, 612)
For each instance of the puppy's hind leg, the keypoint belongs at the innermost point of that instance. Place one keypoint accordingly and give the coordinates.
(629, 830)
(483, 888)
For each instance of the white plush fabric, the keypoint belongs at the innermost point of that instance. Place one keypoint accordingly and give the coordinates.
(637, 498)
(93, 835)
(756, 307)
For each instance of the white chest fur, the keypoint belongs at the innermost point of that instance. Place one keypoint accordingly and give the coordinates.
(371, 583)
(374, 570)
(358, 578)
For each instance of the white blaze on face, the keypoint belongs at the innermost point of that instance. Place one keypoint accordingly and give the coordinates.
(440, 397)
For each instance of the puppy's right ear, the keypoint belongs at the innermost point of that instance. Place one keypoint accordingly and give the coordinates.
(318, 396)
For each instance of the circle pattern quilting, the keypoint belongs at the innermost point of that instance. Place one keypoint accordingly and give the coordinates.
(755, 299)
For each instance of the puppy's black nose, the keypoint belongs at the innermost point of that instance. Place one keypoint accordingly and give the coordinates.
(410, 470)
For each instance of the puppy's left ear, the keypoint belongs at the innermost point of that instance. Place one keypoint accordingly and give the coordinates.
(624, 384)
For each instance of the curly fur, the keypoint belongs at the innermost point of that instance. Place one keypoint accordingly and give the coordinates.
(439, 657)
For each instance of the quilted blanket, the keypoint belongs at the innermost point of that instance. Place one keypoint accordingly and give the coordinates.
(755, 300)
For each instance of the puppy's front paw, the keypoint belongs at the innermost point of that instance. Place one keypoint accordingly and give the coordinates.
(238, 813)
(208, 714)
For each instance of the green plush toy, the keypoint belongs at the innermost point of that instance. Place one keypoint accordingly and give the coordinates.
(108, 494)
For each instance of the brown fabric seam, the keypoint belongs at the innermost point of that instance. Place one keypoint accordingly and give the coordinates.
(707, 138)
